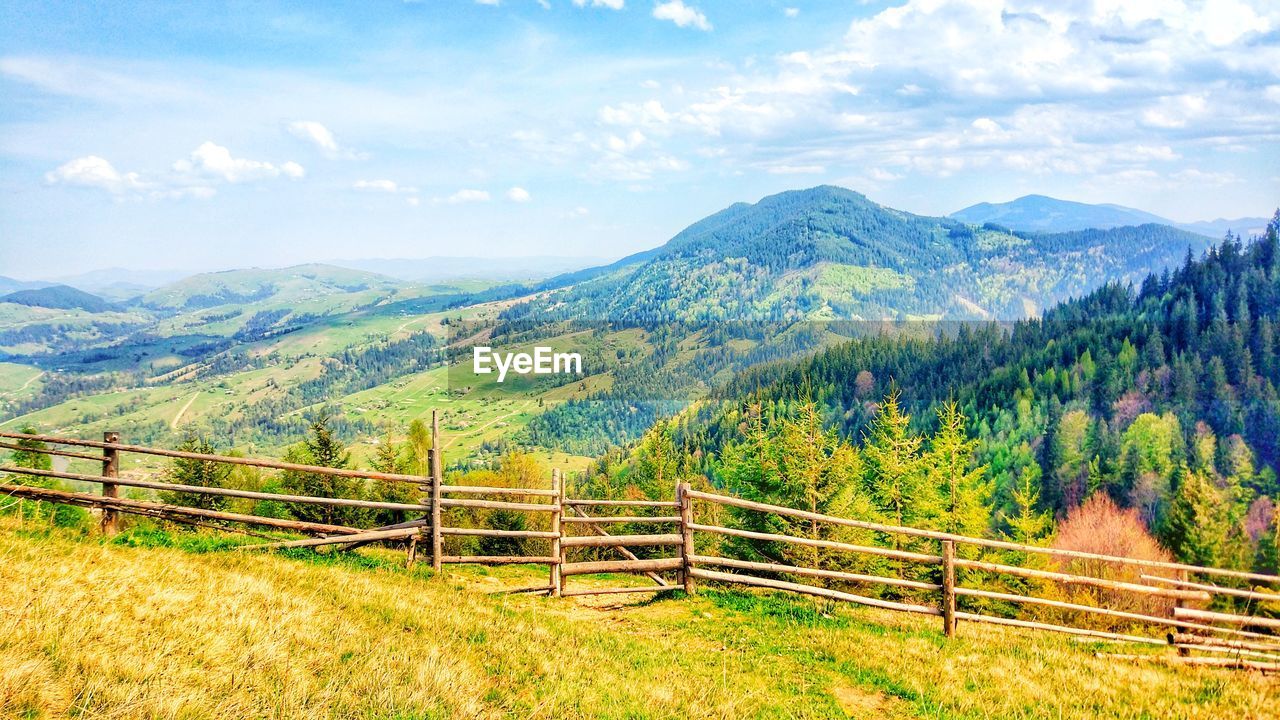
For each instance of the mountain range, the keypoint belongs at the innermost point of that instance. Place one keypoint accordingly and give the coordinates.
(830, 253)
(1038, 213)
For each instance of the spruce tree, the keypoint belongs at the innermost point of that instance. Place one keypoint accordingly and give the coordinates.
(952, 470)
(894, 475)
(197, 473)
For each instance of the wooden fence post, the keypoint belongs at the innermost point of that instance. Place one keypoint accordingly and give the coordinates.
(1183, 576)
(686, 536)
(437, 477)
(949, 588)
(110, 469)
(557, 550)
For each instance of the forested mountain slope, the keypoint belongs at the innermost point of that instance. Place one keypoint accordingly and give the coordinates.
(1162, 396)
(830, 253)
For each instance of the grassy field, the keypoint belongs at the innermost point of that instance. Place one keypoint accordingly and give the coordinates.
(126, 629)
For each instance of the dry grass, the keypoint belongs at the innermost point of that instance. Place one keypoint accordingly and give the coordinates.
(98, 630)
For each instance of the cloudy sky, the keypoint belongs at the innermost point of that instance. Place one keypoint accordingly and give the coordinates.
(190, 135)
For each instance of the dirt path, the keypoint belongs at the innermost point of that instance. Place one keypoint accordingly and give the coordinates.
(32, 379)
(473, 431)
(178, 418)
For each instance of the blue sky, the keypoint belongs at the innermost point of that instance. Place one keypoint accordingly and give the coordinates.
(191, 135)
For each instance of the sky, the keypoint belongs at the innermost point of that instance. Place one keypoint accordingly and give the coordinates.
(201, 136)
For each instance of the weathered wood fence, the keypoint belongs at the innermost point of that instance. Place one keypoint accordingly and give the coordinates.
(672, 529)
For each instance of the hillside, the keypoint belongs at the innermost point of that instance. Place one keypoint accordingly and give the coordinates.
(301, 282)
(830, 253)
(1038, 213)
(8, 285)
(1163, 398)
(253, 352)
(58, 297)
(136, 629)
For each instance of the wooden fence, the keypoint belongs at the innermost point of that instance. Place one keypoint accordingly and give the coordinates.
(671, 538)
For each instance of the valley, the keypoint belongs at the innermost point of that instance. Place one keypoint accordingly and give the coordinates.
(235, 351)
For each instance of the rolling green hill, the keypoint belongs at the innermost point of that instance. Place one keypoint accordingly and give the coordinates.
(238, 287)
(58, 297)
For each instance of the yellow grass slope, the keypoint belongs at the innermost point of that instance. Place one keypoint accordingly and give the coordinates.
(98, 630)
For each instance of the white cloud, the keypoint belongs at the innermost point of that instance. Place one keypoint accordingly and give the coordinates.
(1075, 88)
(576, 213)
(194, 176)
(611, 4)
(384, 186)
(314, 133)
(633, 140)
(796, 170)
(791, 12)
(649, 113)
(488, 2)
(468, 196)
(215, 161)
(94, 172)
(519, 195)
(680, 14)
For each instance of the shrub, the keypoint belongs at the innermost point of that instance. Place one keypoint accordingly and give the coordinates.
(1102, 527)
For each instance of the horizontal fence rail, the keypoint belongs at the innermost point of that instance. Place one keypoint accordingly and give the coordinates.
(221, 492)
(980, 542)
(925, 584)
(227, 459)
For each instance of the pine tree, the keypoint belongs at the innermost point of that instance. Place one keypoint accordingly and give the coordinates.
(197, 473)
(1027, 525)
(28, 455)
(894, 475)
(388, 458)
(1049, 457)
(657, 467)
(324, 450)
(1192, 529)
(950, 465)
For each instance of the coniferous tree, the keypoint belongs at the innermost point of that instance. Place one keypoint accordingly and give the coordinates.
(1049, 456)
(196, 473)
(894, 468)
(950, 465)
(324, 450)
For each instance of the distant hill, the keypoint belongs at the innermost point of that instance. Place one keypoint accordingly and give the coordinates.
(1244, 227)
(234, 287)
(122, 283)
(831, 253)
(440, 269)
(1039, 213)
(58, 297)
(8, 285)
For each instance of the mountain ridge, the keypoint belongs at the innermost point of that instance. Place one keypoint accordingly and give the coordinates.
(1042, 213)
(832, 253)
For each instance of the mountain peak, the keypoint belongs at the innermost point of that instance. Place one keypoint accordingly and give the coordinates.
(1041, 213)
